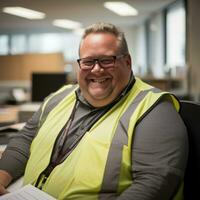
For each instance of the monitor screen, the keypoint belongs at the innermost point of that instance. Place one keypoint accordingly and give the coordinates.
(44, 84)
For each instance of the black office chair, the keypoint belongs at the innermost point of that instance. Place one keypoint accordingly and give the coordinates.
(190, 113)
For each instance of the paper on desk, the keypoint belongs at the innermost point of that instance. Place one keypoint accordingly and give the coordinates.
(27, 192)
(16, 185)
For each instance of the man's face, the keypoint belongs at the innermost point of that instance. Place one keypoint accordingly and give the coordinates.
(101, 86)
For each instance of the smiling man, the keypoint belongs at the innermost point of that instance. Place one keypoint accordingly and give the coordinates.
(105, 68)
(112, 136)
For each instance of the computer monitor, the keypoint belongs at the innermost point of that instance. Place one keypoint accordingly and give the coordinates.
(44, 84)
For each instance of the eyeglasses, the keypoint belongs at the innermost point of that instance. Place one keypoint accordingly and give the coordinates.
(104, 62)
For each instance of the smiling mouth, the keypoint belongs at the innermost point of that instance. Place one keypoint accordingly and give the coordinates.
(99, 80)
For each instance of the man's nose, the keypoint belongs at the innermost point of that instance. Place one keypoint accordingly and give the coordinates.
(97, 67)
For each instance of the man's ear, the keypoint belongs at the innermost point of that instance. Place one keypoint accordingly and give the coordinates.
(128, 61)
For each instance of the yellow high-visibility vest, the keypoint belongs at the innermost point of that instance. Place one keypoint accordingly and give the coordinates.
(101, 162)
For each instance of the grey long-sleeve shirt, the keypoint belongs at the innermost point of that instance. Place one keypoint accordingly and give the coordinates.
(159, 151)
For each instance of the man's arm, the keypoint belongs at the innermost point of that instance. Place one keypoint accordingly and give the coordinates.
(15, 157)
(159, 155)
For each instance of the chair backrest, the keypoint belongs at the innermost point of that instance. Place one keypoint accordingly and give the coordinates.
(190, 113)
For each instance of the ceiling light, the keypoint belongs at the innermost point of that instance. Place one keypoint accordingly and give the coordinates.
(65, 23)
(121, 8)
(24, 12)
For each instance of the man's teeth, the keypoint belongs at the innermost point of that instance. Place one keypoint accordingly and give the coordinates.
(98, 80)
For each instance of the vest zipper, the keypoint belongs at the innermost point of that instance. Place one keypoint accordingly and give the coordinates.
(45, 174)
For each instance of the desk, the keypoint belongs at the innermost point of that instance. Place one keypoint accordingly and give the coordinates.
(165, 84)
(15, 114)
(8, 115)
(25, 111)
(11, 115)
(7, 132)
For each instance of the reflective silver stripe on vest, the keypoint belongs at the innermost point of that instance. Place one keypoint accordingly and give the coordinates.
(112, 170)
(54, 101)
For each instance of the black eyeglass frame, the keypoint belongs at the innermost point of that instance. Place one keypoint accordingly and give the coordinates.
(97, 60)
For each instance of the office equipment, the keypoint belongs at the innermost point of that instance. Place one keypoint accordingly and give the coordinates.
(190, 113)
(45, 83)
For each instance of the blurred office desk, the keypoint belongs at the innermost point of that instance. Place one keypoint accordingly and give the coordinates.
(7, 132)
(8, 115)
(25, 111)
(165, 84)
(11, 116)
(19, 113)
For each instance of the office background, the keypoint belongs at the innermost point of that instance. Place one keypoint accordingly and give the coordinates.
(163, 39)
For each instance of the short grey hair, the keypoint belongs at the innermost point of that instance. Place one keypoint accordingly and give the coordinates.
(102, 27)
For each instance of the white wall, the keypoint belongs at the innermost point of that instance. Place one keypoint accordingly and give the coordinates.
(130, 35)
(156, 45)
(136, 42)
